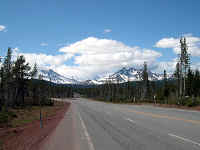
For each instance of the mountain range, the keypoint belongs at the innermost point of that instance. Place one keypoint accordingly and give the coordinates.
(127, 74)
(123, 75)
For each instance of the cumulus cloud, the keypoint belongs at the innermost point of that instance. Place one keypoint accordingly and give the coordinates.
(91, 57)
(2, 28)
(98, 56)
(43, 60)
(174, 43)
(43, 44)
(107, 30)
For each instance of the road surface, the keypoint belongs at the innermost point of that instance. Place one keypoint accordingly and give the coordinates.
(104, 126)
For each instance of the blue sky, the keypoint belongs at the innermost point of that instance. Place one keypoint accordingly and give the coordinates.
(44, 27)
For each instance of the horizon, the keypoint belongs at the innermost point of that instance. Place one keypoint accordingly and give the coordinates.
(78, 39)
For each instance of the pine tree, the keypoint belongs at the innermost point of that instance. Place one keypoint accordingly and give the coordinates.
(21, 74)
(178, 78)
(34, 71)
(184, 66)
(190, 82)
(197, 83)
(166, 88)
(33, 87)
(7, 77)
(1, 88)
(145, 82)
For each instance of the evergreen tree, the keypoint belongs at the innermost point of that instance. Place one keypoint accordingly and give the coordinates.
(184, 66)
(7, 77)
(34, 71)
(178, 78)
(145, 82)
(21, 74)
(190, 82)
(197, 83)
(166, 89)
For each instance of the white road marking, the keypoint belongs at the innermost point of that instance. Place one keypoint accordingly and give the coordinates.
(130, 120)
(184, 139)
(90, 144)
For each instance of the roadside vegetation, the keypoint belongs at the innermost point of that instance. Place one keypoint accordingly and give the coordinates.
(181, 90)
(22, 116)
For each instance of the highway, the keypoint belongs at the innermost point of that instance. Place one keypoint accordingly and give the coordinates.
(106, 126)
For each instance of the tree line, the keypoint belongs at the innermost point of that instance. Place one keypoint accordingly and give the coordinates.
(20, 85)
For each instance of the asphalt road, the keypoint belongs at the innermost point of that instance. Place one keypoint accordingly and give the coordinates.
(105, 126)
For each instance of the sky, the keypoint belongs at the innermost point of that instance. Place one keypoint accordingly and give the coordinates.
(90, 38)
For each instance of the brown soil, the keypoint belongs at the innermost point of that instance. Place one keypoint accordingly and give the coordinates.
(30, 136)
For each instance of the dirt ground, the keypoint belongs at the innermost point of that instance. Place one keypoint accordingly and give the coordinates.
(29, 136)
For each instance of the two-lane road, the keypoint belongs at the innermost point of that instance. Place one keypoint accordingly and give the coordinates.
(105, 126)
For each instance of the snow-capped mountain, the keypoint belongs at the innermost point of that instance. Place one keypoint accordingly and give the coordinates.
(50, 75)
(121, 76)
(127, 74)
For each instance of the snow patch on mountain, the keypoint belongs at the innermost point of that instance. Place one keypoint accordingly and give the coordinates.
(127, 74)
(50, 75)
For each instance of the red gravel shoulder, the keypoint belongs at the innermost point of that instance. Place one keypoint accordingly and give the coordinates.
(30, 136)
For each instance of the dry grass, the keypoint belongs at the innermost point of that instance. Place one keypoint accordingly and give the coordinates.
(28, 115)
(24, 117)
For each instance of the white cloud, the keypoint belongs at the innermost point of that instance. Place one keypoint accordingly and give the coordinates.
(2, 28)
(174, 43)
(98, 56)
(92, 56)
(43, 60)
(43, 44)
(107, 30)
(167, 43)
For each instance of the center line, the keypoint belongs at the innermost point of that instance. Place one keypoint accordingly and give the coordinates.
(184, 139)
